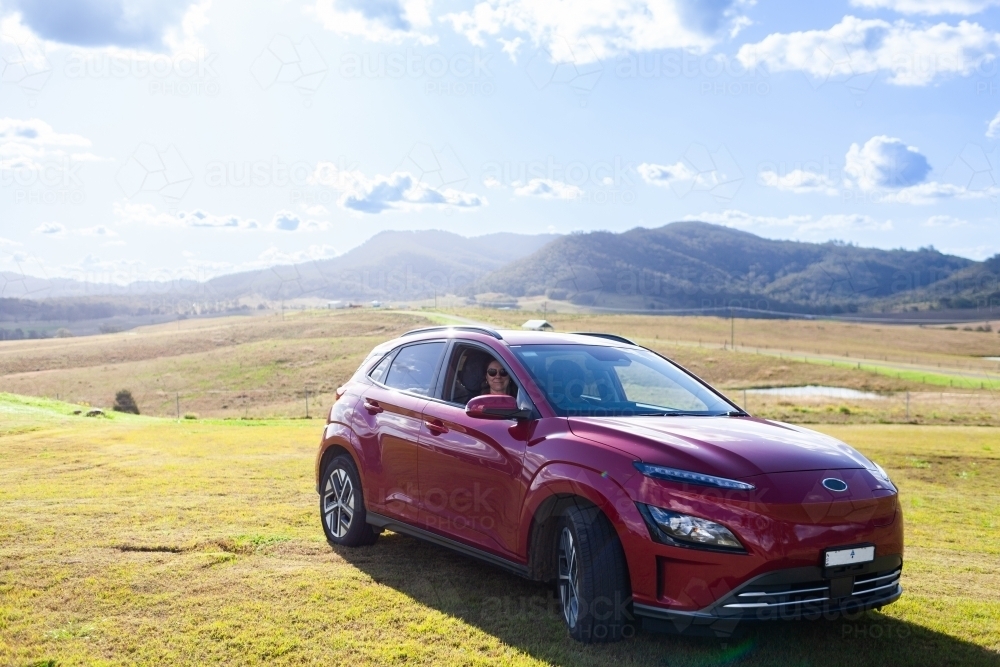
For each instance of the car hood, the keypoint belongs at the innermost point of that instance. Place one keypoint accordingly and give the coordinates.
(727, 446)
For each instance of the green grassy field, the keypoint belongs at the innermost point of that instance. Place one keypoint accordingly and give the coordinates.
(135, 540)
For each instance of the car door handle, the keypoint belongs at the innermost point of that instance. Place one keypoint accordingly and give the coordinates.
(372, 406)
(435, 426)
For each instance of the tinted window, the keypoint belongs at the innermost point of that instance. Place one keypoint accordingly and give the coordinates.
(414, 367)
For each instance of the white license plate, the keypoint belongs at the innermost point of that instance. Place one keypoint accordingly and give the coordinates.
(850, 556)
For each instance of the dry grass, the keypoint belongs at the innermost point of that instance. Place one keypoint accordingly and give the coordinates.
(901, 343)
(137, 541)
(265, 367)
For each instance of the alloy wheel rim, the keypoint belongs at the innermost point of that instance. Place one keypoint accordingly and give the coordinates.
(338, 502)
(569, 593)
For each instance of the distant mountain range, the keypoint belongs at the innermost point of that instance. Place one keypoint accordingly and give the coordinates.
(680, 266)
(392, 265)
(695, 265)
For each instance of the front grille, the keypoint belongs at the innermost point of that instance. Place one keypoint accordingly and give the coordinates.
(815, 593)
(866, 585)
(756, 597)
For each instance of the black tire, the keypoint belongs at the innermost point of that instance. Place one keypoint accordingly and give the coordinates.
(342, 505)
(601, 609)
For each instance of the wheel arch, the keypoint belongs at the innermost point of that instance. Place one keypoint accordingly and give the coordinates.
(559, 486)
(332, 447)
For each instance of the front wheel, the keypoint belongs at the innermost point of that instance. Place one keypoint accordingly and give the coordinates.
(593, 579)
(342, 505)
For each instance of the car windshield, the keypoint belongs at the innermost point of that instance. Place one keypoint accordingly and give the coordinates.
(596, 380)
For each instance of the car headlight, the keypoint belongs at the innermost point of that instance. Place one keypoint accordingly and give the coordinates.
(673, 527)
(688, 477)
(881, 472)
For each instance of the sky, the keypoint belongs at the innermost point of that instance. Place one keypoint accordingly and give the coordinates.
(163, 139)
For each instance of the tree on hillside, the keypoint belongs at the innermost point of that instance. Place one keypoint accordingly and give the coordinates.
(125, 403)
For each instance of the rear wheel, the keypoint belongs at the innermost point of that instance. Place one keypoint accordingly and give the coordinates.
(342, 505)
(592, 577)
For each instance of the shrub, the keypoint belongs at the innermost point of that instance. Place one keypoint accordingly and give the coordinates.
(190, 415)
(125, 403)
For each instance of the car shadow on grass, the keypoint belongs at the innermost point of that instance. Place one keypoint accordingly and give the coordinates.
(525, 615)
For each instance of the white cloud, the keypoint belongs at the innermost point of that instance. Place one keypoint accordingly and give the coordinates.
(33, 145)
(929, 7)
(398, 191)
(887, 171)
(933, 192)
(149, 25)
(993, 130)
(126, 212)
(285, 221)
(51, 229)
(799, 182)
(663, 175)
(584, 31)
(944, 221)
(314, 209)
(200, 218)
(978, 252)
(390, 21)
(802, 225)
(885, 162)
(546, 188)
(273, 256)
(99, 230)
(492, 183)
(699, 169)
(912, 55)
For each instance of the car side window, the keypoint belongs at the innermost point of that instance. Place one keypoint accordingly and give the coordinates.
(414, 368)
(379, 372)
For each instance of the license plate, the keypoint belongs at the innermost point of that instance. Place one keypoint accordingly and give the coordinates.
(849, 556)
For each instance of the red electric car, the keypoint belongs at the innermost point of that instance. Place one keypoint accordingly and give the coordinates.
(645, 495)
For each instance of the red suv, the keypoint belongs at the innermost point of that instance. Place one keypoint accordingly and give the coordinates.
(585, 460)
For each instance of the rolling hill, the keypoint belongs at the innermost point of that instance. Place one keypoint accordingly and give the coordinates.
(696, 265)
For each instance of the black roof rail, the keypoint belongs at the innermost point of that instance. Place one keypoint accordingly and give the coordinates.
(595, 334)
(460, 327)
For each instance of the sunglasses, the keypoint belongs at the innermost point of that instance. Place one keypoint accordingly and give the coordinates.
(493, 372)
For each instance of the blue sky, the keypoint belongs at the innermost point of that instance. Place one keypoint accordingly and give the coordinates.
(159, 139)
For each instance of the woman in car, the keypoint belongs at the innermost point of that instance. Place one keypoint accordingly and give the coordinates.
(498, 381)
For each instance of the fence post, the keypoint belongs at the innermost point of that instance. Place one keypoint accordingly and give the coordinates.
(907, 404)
(307, 402)
(178, 397)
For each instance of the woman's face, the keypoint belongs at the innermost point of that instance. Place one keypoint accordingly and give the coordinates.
(496, 376)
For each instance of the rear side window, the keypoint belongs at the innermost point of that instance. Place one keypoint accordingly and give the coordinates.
(379, 372)
(414, 368)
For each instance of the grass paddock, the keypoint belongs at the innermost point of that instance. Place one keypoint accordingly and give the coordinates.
(133, 540)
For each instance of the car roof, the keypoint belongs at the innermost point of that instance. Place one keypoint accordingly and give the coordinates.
(513, 336)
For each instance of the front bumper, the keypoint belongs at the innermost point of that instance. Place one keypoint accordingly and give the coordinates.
(801, 593)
